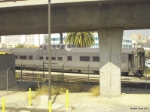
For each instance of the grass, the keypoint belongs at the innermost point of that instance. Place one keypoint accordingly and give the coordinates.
(95, 90)
(60, 88)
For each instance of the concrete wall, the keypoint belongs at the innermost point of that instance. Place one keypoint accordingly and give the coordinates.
(7, 61)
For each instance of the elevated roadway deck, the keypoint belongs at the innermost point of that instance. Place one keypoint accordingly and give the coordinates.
(31, 17)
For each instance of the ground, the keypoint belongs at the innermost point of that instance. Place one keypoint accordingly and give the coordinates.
(131, 100)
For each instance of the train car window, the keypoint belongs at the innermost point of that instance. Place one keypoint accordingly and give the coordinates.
(16, 57)
(58, 46)
(84, 58)
(45, 47)
(95, 58)
(59, 58)
(41, 58)
(23, 57)
(68, 46)
(47, 58)
(53, 58)
(69, 58)
(30, 57)
(62, 47)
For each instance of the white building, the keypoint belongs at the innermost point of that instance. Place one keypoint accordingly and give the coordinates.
(55, 38)
(38, 39)
(126, 41)
(13, 40)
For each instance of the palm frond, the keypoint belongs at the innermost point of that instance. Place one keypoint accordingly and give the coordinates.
(80, 39)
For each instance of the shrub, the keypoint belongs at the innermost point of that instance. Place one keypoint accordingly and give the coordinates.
(95, 90)
(59, 88)
(147, 70)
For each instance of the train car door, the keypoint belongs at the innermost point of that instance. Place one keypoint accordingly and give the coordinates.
(131, 64)
(139, 62)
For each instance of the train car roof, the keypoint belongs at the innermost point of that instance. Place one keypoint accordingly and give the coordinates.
(124, 50)
(82, 50)
(130, 50)
(18, 50)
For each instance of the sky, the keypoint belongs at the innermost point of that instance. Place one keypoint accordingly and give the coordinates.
(144, 32)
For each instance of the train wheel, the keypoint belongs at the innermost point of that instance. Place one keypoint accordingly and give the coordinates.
(124, 74)
(139, 74)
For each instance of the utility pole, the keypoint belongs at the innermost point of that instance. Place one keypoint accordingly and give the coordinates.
(49, 45)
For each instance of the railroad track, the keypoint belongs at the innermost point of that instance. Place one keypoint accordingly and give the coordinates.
(33, 75)
(31, 79)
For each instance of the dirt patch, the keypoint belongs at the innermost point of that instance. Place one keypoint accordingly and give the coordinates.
(132, 100)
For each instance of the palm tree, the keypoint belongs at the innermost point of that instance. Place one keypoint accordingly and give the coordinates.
(80, 39)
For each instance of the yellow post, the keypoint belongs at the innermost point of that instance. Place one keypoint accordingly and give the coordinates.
(29, 97)
(66, 98)
(3, 105)
(16, 75)
(50, 106)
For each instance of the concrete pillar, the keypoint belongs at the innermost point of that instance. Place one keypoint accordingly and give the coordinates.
(110, 42)
(61, 38)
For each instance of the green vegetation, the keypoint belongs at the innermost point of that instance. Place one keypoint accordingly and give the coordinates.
(32, 46)
(20, 46)
(25, 46)
(80, 39)
(59, 88)
(147, 53)
(147, 70)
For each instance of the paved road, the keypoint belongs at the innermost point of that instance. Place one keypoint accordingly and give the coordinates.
(25, 110)
(10, 109)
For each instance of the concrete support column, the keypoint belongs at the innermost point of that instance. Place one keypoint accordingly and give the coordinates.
(110, 42)
(61, 38)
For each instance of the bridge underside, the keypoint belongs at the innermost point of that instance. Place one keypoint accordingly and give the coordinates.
(68, 18)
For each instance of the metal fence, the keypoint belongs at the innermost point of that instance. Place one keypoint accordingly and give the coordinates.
(5, 78)
(37, 78)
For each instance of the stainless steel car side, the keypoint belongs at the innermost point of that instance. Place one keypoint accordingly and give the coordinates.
(82, 60)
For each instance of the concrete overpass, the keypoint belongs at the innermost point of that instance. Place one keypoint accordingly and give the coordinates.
(108, 17)
(30, 17)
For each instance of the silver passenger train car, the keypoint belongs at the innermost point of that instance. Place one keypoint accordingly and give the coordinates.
(82, 60)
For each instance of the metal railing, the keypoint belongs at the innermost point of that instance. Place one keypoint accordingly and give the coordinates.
(55, 77)
(4, 79)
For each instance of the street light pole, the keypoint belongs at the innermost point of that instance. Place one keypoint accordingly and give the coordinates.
(49, 46)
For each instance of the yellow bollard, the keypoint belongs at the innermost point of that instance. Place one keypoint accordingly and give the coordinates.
(66, 98)
(16, 75)
(50, 106)
(3, 104)
(29, 97)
